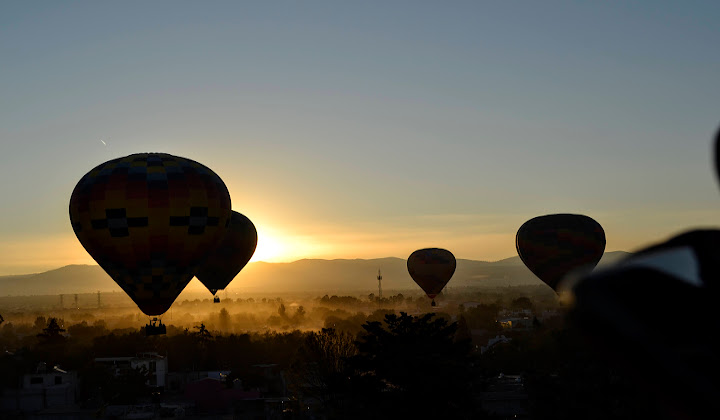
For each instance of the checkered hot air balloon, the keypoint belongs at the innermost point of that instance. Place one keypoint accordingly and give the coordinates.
(552, 246)
(431, 268)
(231, 256)
(150, 220)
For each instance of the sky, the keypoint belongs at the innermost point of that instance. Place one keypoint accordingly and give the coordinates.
(367, 129)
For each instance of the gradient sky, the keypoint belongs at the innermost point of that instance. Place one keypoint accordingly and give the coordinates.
(367, 129)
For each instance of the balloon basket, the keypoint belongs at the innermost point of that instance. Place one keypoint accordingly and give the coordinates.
(155, 327)
(216, 299)
(433, 303)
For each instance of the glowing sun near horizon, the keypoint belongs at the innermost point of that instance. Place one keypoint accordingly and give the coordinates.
(270, 248)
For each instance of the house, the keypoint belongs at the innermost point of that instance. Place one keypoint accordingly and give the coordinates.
(156, 366)
(46, 388)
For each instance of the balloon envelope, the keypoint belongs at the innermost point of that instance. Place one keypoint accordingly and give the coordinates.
(149, 220)
(551, 246)
(431, 268)
(229, 258)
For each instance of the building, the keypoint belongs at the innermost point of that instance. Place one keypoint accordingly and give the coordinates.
(156, 366)
(46, 388)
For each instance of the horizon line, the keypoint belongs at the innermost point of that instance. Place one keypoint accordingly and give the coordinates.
(288, 262)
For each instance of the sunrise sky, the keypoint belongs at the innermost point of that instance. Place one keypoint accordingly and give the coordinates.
(367, 129)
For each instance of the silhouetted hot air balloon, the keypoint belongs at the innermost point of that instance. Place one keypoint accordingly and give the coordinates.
(149, 220)
(431, 268)
(551, 246)
(233, 253)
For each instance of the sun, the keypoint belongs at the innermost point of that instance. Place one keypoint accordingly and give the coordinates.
(269, 248)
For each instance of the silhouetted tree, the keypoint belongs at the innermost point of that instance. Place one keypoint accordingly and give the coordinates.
(482, 317)
(52, 332)
(203, 335)
(299, 316)
(522, 303)
(224, 319)
(40, 323)
(319, 371)
(282, 312)
(463, 331)
(412, 367)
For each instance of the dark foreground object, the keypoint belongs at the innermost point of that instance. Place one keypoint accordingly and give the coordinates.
(650, 315)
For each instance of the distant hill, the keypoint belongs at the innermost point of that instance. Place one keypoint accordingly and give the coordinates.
(308, 275)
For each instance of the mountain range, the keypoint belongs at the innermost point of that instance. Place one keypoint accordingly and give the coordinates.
(307, 275)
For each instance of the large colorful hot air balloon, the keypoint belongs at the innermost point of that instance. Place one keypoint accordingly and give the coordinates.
(552, 246)
(233, 253)
(150, 220)
(431, 268)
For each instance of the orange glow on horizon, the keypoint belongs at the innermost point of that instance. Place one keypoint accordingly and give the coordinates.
(34, 254)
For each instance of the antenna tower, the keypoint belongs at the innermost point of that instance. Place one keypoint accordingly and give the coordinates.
(379, 279)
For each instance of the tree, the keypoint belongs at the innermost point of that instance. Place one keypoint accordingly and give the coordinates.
(482, 317)
(522, 303)
(52, 343)
(320, 370)
(224, 319)
(282, 312)
(40, 323)
(52, 332)
(463, 331)
(406, 362)
(299, 316)
(202, 334)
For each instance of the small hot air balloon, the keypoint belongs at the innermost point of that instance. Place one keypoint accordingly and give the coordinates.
(552, 246)
(431, 268)
(150, 220)
(229, 258)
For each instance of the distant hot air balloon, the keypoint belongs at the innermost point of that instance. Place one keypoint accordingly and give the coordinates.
(552, 246)
(233, 253)
(149, 220)
(431, 268)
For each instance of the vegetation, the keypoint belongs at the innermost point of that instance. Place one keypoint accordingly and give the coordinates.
(353, 357)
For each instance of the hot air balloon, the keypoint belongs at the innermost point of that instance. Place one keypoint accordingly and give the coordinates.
(233, 253)
(431, 268)
(150, 220)
(552, 246)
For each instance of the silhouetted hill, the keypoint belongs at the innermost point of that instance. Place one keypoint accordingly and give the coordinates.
(308, 275)
(607, 258)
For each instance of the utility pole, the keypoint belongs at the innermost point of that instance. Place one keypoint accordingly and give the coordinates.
(379, 279)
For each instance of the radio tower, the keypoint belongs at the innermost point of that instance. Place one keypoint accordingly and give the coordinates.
(379, 278)
(99, 304)
(61, 302)
(76, 304)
